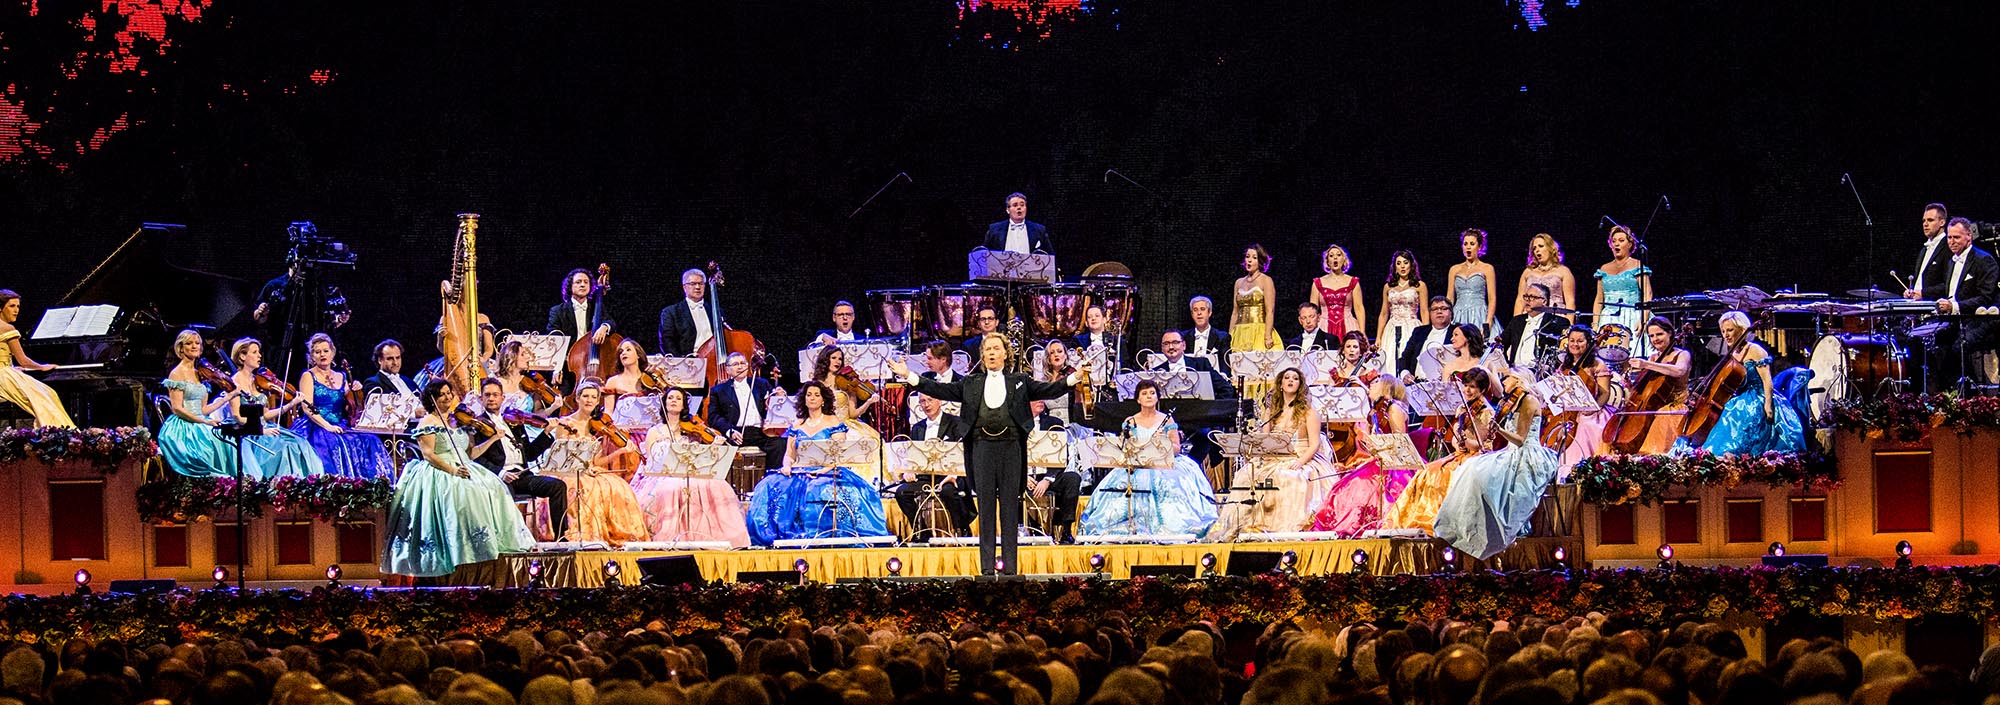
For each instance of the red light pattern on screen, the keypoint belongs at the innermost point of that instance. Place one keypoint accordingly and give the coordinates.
(1041, 15)
(143, 20)
(138, 31)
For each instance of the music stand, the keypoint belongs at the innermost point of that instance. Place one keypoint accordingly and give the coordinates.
(252, 424)
(578, 454)
(1392, 451)
(1131, 454)
(1254, 449)
(688, 462)
(1046, 449)
(931, 462)
(831, 455)
(1437, 398)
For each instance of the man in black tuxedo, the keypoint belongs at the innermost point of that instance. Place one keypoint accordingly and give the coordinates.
(1435, 335)
(1204, 340)
(388, 377)
(1971, 277)
(843, 326)
(1065, 484)
(1016, 233)
(736, 410)
(508, 453)
(1173, 358)
(577, 315)
(985, 320)
(1097, 333)
(685, 325)
(935, 426)
(1530, 335)
(1310, 336)
(1928, 280)
(995, 404)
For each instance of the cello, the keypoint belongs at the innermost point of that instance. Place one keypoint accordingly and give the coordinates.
(585, 357)
(1650, 393)
(1705, 406)
(725, 339)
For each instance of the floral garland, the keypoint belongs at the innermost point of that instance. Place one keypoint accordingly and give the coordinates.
(103, 447)
(1647, 597)
(323, 497)
(1909, 418)
(1617, 479)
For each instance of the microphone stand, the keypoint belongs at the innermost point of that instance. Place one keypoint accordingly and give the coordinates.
(904, 175)
(1639, 251)
(1867, 220)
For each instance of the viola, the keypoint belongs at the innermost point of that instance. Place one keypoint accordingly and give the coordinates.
(611, 432)
(847, 380)
(517, 417)
(208, 373)
(474, 421)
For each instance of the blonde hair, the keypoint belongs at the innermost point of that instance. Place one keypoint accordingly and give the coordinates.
(1615, 230)
(236, 348)
(1344, 257)
(1553, 247)
(184, 336)
(318, 338)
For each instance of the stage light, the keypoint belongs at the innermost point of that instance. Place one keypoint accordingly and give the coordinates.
(1903, 551)
(801, 565)
(82, 581)
(1289, 563)
(221, 575)
(333, 575)
(611, 570)
(895, 566)
(999, 566)
(535, 574)
(1208, 565)
(1666, 554)
(1562, 558)
(1777, 549)
(1360, 560)
(1097, 564)
(1450, 556)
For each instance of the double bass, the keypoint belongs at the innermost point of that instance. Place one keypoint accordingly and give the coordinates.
(586, 358)
(726, 339)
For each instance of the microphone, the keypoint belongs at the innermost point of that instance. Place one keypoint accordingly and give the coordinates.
(1108, 173)
(1844, 177)
(1601, 220)
(1666, 201)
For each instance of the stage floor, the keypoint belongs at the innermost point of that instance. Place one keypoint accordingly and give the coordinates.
(1386, 557)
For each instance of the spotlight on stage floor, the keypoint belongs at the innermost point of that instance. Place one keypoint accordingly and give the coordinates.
(82, 579)
(1903, 553)
(1208, 565)
(1360, 560)
(221, 575)
(611, 570)
(1449, 558)
(1289, 563)
(535, 573)
(1666, 554)
(1562, 559)
(333, 575)
(895, 566)
(1777, 549)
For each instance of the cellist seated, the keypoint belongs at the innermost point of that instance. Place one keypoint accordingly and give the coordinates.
(1658, 386)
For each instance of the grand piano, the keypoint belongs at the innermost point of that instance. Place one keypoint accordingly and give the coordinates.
(103, 379)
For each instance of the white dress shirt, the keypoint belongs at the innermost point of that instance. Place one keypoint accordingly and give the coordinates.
(748, 417)
(996, 390)
(1957, 270)
(396, 380)
(1930, 249)
(1178, 365)
(507, 447)
(1198, 342)
(581, 310)
(702, 329)
(843, 335)
(1436, 338)
(1017, 237)
(1531, 339)
(931, 426)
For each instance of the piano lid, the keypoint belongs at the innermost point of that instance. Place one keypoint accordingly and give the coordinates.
(145, 272)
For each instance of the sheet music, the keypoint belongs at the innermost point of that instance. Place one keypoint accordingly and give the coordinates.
(92, 320)
(54, 322)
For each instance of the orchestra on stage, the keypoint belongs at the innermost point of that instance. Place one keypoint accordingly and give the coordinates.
(1017, 407)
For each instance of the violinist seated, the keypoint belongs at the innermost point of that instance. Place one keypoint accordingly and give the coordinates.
(1970, 285)
(507, 451)
(679, 507)
(1064, 484)
(843, 326)
(736, 410)
(936, 426)
(1530, 335)
(832, 370)
(278, 452)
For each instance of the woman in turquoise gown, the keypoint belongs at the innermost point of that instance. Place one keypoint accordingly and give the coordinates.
(1623, 284)
(1493, 494)
(1472, 287)
(803, 502)
(188, 441)
(1180, 500)
(343, 451)
(278, 452)
(447, 512)
(1754, 421)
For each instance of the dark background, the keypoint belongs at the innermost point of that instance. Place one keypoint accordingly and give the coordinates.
(658, 136)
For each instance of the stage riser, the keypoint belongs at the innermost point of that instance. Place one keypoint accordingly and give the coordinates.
(1939, 495)
(1386, 556)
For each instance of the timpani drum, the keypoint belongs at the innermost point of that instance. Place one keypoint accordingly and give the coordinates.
(950, 310)
(1056, 310)
(895, 310)
(1614, 335)
(1845, 365)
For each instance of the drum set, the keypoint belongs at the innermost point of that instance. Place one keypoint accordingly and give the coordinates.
(947, 312)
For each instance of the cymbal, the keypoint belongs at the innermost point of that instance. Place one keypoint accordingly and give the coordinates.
(1560, 311)
(1872, 294)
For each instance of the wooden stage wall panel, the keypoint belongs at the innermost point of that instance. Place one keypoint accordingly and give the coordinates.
(1386, 556)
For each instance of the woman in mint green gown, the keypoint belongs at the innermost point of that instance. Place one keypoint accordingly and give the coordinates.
(447, 512)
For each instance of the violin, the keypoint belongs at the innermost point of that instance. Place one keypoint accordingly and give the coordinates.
(847, 380)
(474, 421)
(652, 381)
(544, 395)
(611, 432)
(269, 384)
(207, 372)
(695, 429)
(517, 417)
(357, 398)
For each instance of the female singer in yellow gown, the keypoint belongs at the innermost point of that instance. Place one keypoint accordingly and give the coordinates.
(16, 386)
(1250, 318)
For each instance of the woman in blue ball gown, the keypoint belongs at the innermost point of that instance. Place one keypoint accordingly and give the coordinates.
(447, 512)
(278, 452)
(1493, 494)
(324, 424)
(1180, 500)
(1753, 421)
(804, 502)
(188, 440)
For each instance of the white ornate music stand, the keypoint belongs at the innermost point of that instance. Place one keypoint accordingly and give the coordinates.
(688, 462)
(1131, 454)
(1341, 403)
(931, 462)
(1252, 452)
(388, 413)
(830, 454)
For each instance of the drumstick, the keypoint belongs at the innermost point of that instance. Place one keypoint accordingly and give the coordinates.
(1907, 285)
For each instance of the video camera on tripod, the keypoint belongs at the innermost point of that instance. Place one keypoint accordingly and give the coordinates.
(311, 250)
